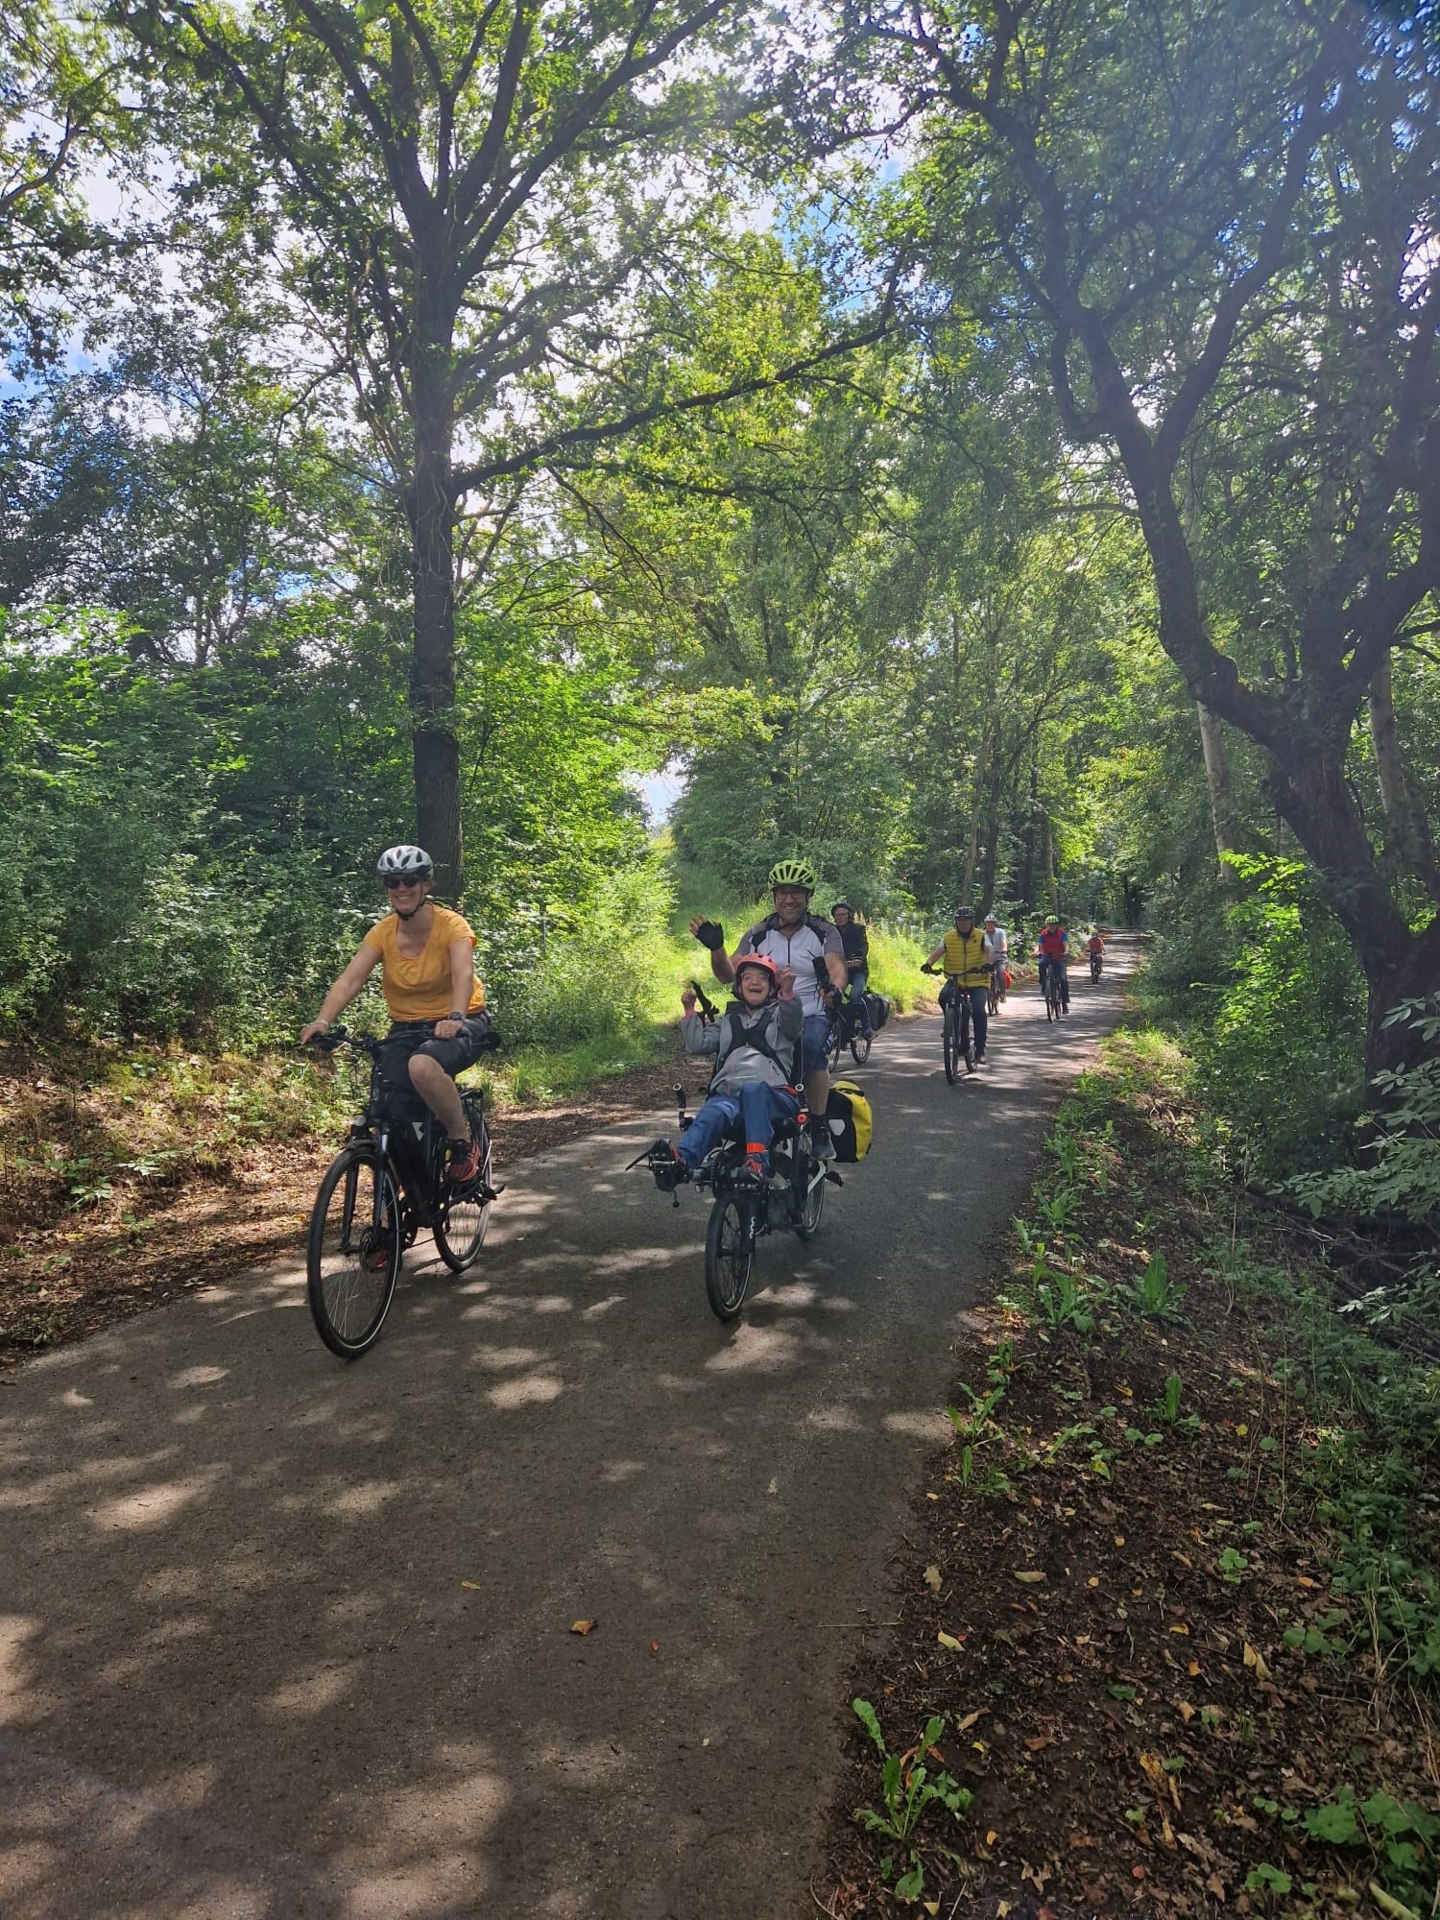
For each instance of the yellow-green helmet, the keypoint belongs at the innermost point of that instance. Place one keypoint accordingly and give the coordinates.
(793, 873)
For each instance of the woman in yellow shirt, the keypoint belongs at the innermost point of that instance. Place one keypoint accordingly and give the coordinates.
(426, 954)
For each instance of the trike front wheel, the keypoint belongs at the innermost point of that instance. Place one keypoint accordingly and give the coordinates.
(729, 1254)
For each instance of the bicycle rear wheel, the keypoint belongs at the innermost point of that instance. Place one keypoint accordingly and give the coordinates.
(950, 1044)
(352, 1259)
(729, 1253)
(464, 1215)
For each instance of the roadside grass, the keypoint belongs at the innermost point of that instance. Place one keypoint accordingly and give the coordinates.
(1169, 1608)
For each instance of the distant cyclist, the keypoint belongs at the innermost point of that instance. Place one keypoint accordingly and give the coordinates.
(1095, 948)
(967, 971)
(997, 945)
(426, 954)
(1053, 947)
(793, 937)
(856, 942)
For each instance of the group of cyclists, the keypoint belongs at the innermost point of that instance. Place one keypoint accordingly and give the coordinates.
(787, 972)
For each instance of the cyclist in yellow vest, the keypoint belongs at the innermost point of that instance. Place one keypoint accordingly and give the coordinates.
(967, 970)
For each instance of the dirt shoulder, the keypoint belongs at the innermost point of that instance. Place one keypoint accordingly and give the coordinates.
(1167, 1604)
(84, 1250)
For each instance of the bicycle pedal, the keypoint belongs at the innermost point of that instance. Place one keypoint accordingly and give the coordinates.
(832, 1175)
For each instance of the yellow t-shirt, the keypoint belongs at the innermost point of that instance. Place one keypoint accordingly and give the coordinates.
(419, 988)
(965, 958)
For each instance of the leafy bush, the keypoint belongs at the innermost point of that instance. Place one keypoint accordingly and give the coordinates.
(1400, 1174)
(1278, 1010)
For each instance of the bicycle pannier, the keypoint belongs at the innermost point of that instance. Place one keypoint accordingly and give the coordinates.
(850, 1120)
(879, 1009)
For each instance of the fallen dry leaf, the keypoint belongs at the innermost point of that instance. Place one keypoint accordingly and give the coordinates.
(584, 1626)
(1030, 1578)
(932, 1578)
(1253, 1659)
(1185, 1711)
(964, 1726)
(1040, 1740)
(473, 1585)
(955, 1643)
(654, 1646)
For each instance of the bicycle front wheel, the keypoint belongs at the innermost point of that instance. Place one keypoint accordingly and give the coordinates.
(464, 1216)
(860, 1038)
(812, 1200)
(729, 1253)
(834, 1044)
(353, 1256)
(949, 1043)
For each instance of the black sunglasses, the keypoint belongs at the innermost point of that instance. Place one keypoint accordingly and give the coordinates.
(394, 880)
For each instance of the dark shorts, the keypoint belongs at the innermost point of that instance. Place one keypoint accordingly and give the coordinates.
(410, 1037)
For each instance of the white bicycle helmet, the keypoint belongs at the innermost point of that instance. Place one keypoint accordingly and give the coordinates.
(411, 862)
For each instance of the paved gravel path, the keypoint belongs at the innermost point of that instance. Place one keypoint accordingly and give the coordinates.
(282, 1637)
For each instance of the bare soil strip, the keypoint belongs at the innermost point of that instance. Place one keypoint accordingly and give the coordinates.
(1162, 1689)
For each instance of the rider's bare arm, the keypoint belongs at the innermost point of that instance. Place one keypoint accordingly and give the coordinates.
(462, 987)
(342, 991)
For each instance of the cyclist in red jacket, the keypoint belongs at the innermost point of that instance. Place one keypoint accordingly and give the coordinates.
(1053, 947)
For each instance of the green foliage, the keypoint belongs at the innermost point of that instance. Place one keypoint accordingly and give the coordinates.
(1060, 1298)
(1399, 1174)
(1157, 1296)
(908, 1788)
(1278, 1050)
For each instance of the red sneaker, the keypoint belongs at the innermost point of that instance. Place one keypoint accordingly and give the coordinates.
(464, 1162)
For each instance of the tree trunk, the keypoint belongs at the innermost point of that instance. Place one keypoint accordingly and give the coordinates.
(434, 742)
(972, 851)
(1398, 963)
(992, 839)
(1217, 779)
(1047, 861)
(1409, 830)
(1027, 860)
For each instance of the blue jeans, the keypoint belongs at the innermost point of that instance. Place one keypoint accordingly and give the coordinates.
(859, 980)
(1064, 980)
(759, 1108)
(979, 998)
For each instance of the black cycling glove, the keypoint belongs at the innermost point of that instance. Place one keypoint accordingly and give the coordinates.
(710, 934)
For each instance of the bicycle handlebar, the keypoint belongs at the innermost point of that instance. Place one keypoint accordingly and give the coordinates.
(709, 1012)
(334, 1037)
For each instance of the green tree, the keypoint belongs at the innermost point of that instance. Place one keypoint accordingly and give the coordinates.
(1210, 232)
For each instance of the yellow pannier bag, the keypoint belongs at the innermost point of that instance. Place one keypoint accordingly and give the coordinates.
(850, 1120)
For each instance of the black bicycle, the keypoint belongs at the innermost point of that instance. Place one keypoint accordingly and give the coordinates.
(957, 1039)
(1097, 962)
(385, 1184)
(746, 1207)
(1054, 993)
(998, 989)
(843, 1029)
